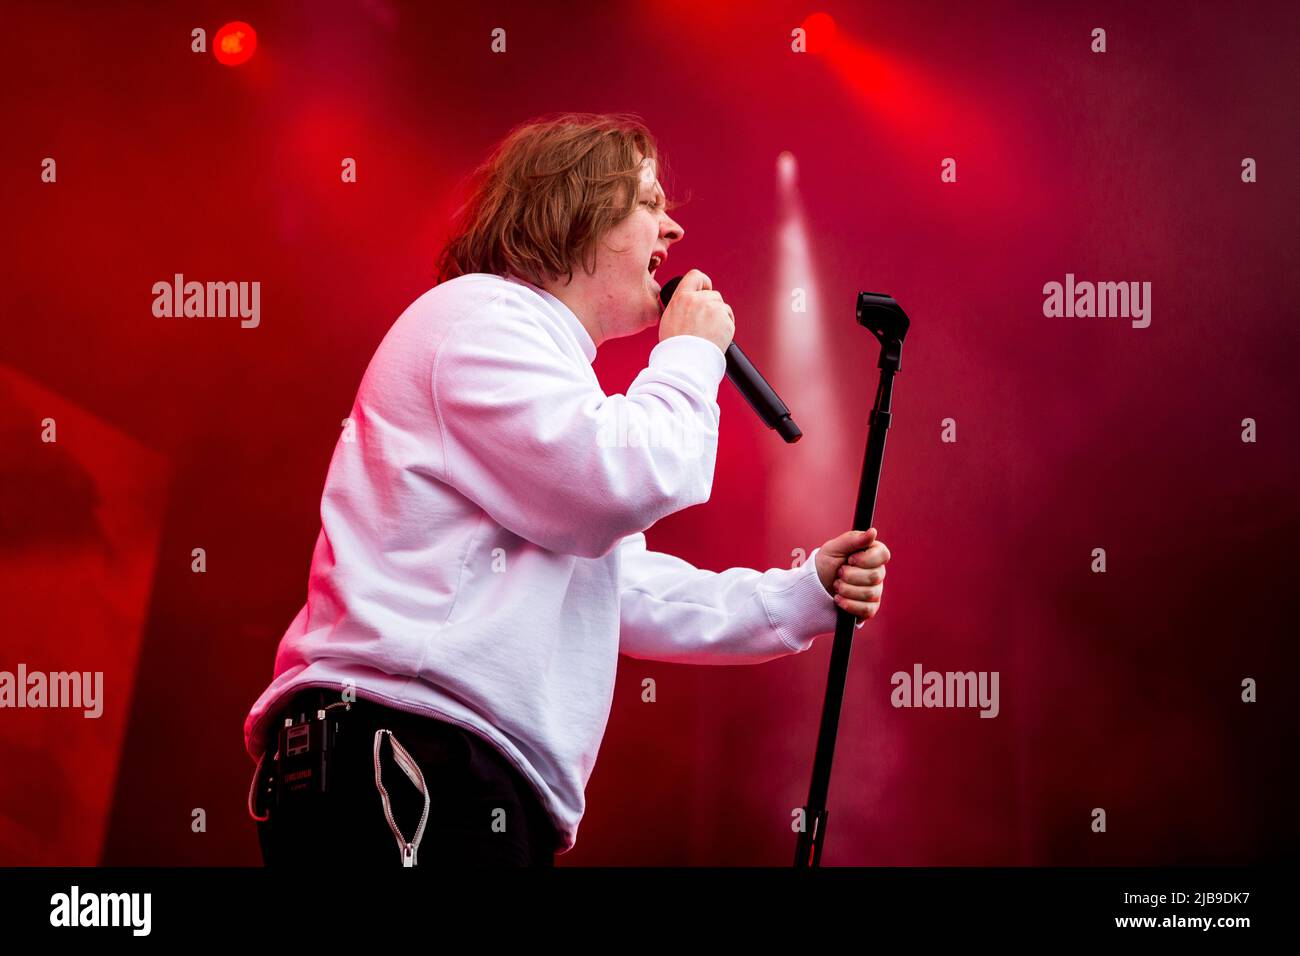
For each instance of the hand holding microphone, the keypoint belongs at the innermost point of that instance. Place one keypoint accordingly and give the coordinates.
(693, 307)
(697, 309)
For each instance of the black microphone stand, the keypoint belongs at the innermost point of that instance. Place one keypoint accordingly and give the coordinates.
(888, 323)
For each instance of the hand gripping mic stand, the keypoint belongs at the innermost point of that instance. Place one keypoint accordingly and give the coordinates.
(888, 323)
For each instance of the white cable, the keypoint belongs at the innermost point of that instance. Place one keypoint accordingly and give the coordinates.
(252, 788)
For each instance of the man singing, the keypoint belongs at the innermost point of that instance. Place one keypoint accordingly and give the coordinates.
(482, 560)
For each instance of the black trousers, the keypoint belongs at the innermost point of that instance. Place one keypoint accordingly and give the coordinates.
(482, 811)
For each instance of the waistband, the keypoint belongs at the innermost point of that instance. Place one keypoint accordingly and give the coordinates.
(312, 699)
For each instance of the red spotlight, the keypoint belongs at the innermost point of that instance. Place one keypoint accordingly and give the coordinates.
(819, 29)
(234, 43)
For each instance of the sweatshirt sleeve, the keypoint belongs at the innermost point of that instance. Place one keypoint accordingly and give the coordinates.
(529, 436)
(670, 610)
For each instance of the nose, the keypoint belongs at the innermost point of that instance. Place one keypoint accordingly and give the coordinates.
(673, 232)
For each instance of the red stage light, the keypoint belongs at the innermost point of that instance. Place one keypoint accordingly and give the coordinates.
(234, 43)
(819, 29)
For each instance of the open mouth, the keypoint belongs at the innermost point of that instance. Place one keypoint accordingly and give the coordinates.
(655, 261)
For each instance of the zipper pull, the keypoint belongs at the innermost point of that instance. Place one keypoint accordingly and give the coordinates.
(408, 855)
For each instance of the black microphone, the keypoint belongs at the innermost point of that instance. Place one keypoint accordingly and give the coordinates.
(761, 397)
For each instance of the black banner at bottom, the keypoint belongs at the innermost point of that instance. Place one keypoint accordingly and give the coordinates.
(282, 907)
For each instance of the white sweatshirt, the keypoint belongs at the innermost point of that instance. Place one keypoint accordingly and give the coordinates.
(481, 557)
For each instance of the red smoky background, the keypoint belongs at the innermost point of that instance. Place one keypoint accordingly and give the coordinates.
(1120, 690)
